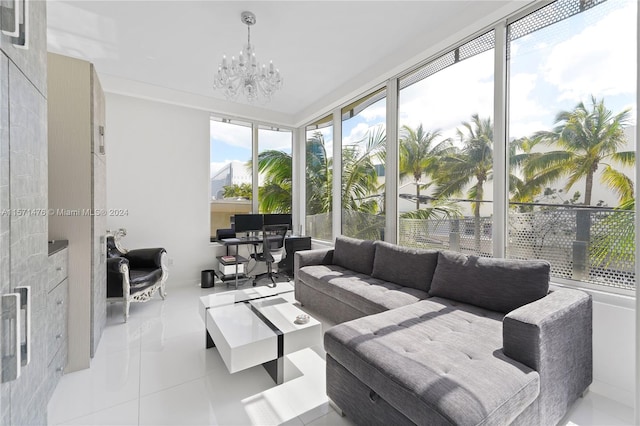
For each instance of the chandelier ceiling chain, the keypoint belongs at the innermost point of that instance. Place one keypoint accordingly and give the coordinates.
(245, 74)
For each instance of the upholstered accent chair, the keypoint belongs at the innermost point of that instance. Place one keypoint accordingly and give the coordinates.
(134, 275)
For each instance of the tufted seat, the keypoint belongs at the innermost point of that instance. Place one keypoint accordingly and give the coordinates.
(364, 293)
(436, 361)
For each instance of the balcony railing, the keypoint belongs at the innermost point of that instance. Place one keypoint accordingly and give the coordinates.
(591, 245)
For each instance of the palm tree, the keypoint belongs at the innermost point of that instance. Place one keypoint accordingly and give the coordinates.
(419, 154)
(237, 191)
(319, 176)
(359, 175)
(470, 165)
(275, 194)
(587, 137)
(361, 200)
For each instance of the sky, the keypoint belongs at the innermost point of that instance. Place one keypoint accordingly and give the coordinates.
(552, 69)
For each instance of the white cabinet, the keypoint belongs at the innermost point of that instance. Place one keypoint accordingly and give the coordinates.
(77, 195)
(56, 327)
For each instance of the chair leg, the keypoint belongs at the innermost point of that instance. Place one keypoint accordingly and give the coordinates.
(163, 291)
(126, 308)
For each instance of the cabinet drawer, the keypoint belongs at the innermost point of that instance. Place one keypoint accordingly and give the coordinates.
(57, 318)
(55, 370)
(58, 269)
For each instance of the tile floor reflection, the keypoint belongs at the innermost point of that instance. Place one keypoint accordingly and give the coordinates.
(155, 370)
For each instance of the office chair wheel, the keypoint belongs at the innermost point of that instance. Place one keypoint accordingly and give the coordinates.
(254, 283)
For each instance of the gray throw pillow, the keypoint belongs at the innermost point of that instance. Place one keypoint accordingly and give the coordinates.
(354, 254)
(500, 285)
(405, 266)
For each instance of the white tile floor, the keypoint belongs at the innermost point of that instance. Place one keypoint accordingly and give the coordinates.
(155, 370)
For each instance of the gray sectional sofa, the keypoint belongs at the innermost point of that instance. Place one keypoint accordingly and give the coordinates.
(440, 338)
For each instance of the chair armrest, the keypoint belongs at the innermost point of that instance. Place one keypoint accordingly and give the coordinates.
(553, 336)
(117, 276)
(312, 257)
(145, 258)
(114, 264)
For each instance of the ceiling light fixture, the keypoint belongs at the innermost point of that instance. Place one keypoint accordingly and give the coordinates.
(245, 74)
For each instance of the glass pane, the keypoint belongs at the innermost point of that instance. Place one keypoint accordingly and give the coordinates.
(572, 133)
(445, 151)
(274, 170)
(363, 155)
(231, 182)
(319, 180)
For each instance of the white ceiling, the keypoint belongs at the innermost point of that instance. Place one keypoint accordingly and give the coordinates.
(324, 49)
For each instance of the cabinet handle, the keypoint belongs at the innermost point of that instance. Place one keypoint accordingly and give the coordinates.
(25, 312)
(18, 32)
(10, 337)
(60, 369)
(60, 302)
(14, 27)
(59, 268)
(58, 336)
(101, 147)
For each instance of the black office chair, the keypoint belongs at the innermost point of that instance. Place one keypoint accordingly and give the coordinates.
(272, 251)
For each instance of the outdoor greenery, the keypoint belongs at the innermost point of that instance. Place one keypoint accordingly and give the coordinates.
(586, 139)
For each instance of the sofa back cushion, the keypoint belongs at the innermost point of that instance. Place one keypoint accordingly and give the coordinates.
(405, 266)
(500, 285)
(354, 254)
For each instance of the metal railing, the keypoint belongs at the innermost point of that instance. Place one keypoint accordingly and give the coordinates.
(593, 245)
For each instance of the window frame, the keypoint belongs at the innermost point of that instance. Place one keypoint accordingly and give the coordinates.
(500, 157)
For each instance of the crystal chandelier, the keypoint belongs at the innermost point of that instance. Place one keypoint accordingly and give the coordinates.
(245, 74)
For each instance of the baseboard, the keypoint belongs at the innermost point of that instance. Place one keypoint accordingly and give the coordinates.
(613, 392)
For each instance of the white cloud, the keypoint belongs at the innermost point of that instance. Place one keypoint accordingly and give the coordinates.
(356, 134)
(375, 112)
(449, 97)
(231, 134)
(274, 140)
(524, 111)
(599, 60)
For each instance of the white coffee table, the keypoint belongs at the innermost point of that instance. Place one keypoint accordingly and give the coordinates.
(256, 326)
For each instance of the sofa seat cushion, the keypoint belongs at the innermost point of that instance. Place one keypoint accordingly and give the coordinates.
(436, 361)
(362, 292)
(144, 277)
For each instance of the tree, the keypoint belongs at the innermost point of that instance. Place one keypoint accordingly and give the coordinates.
(419, 154)
(237, 191)
(362, 202)
(470, 165)
(319, 176)
(275, 193)
(587, 137)
(359, 175)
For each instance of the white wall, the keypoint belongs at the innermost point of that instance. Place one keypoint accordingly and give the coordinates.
(614, 347)
(158, 170)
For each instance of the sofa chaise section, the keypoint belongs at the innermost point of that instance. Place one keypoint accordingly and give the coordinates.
(435, 362)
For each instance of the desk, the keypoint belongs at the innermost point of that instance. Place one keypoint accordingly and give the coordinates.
(292, 244)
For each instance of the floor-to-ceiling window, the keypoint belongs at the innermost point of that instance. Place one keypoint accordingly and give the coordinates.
(363, 157)
(319, 179)
(231, 182)
(572, 77)
(275, 168)
(445, 151)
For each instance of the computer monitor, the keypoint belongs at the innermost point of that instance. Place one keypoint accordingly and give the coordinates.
(278, 219)
(248, 223)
